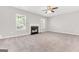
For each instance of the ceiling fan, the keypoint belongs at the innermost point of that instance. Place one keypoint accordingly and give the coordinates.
(50, 9)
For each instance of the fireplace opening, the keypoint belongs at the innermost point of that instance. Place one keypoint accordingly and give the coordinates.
(34, 30)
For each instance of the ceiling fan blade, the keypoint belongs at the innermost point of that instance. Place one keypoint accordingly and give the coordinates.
(55, 8)
(44, 10)
(52, 11)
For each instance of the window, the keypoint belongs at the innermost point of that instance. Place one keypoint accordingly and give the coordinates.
(42, 24)
(20, 22)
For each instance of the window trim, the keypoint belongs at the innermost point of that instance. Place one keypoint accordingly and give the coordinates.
(24, 22)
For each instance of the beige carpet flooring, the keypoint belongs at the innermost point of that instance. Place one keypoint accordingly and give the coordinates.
(43, 42)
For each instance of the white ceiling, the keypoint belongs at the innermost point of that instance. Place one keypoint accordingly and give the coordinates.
(38, 10)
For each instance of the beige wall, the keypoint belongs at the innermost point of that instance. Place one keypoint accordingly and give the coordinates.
(8, 21)
(65, 23)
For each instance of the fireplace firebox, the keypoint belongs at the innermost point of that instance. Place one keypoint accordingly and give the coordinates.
(34, 30)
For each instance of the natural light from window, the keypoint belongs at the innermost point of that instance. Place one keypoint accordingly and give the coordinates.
(20, 22)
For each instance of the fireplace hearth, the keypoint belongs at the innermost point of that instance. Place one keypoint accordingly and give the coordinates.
(34, 30)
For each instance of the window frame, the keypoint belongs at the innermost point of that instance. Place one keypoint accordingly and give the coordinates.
(24, 22)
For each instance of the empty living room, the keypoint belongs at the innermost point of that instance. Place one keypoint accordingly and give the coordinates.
(39, 28)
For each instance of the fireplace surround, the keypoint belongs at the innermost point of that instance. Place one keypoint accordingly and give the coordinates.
(34, 30)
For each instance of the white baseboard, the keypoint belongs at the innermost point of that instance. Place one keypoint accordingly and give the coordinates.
(5, 37)
(65, 33)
